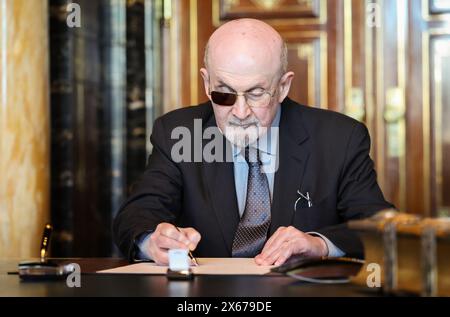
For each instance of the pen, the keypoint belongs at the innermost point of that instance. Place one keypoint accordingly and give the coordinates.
(45, 241)
(190, 253)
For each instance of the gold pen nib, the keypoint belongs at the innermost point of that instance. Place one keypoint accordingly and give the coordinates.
(194, 260)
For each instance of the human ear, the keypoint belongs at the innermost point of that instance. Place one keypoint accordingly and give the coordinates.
(205, 76)
(285, 85)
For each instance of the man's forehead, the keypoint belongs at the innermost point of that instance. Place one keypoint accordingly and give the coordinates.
(241, 81)
(243, 66)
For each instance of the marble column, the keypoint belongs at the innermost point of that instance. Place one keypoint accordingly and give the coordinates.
(24, 126)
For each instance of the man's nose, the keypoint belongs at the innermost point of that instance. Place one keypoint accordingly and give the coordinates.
(240, 108)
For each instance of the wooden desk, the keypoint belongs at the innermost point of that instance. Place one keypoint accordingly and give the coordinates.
(152, 285)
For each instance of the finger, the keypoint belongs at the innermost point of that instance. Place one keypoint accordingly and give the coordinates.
(274, 247)
(298, 245)
(164, 242)
(273, 237)
(170, 231)
(273, 257)
(288, 233)
(276, 243)
(193, 236)
(292, 231)
(258, 259)
(286, 254)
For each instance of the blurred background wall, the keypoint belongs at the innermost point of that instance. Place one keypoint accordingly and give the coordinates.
(104, 88)
(24, 126)
(80, 102)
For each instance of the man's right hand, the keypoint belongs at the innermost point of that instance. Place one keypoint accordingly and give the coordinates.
(165, 237)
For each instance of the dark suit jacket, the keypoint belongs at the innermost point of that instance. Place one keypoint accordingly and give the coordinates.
(321, 152)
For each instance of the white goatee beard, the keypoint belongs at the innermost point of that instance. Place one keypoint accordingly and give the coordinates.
(241, 137)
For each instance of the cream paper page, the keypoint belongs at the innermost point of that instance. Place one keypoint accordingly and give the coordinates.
(207, 266)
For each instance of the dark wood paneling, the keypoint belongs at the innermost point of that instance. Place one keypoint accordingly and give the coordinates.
(136, 87)
(376, 74)
(415, 176)
(62, 106)
(316, 29)
(269, 9)
(307, 58)
(98, 117)
(439, 52)
(427, 150)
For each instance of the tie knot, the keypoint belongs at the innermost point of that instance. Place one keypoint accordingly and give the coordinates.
(252, 155)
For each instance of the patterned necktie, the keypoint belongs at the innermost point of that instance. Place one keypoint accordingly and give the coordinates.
(251, 233)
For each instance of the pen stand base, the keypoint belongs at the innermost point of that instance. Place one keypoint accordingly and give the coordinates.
(183, 275)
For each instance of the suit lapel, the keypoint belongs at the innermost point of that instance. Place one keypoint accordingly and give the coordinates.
(294, 150)
(219, 180)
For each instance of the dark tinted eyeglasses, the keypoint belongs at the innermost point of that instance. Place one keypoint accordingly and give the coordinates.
(254, 100)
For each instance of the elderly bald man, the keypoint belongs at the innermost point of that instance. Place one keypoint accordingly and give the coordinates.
(293, 178)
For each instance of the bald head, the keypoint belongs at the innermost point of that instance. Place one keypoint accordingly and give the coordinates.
(246, 60)
(246, 46)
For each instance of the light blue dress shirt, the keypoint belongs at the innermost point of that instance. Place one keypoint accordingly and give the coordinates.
(267, 146)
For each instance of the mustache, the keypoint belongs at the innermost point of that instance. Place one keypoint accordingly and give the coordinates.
(235, 122)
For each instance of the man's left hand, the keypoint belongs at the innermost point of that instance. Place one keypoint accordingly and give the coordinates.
(288, 241)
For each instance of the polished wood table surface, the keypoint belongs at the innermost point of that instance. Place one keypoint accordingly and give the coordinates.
(93, 284)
